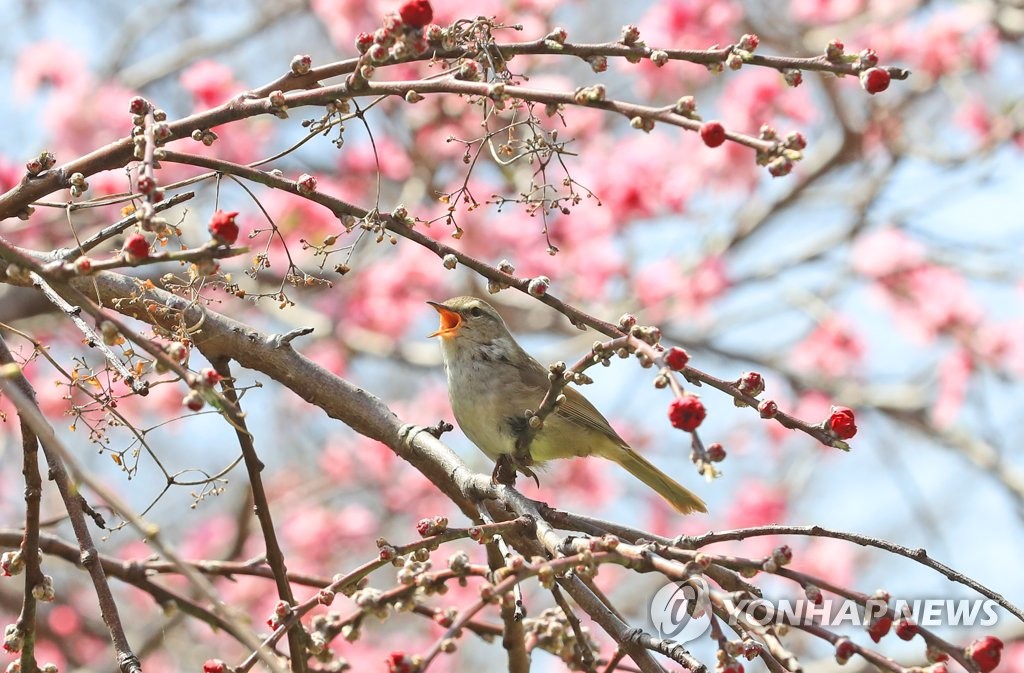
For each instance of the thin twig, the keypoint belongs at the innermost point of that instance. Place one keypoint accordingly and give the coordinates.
(57, 456)
(275, 557)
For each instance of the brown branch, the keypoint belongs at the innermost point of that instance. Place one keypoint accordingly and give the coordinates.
(30, 543)
(15, 388)
(513, 637)
(58, 456)
(275, 556)
(920, 555)
(255, 102)
(117, 228)
(135, 573)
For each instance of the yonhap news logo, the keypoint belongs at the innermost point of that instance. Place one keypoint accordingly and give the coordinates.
(679, 610)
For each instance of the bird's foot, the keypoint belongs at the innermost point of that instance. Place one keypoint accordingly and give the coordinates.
(505, 468)
(504, 471)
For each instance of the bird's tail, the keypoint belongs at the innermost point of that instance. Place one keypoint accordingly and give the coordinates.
(677, 495)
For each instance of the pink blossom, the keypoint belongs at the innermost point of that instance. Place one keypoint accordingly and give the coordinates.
(64, 620)
(1013, 658)
(591, 483)
(832, 560)
(757, 96)
(209, 536)
(47, 63)
(664, 282)
(330, 355)
(954, 377)
(933, 299)
(885, 252)
(951, 41)
(974, 115)
(692, 24)
(341, 17)
(628, 192)
(687, 24)
(757, 504)
(832, 349)
(210, 83)
(391, 159)
(10, 174)
(317, 533)
(997, 344)
(86, 115)
(387, 296)
(817, 12)
(654, 284)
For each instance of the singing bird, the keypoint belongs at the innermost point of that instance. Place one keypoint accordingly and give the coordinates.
(492, 381)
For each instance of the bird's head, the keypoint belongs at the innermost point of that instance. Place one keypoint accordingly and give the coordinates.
(468, 320)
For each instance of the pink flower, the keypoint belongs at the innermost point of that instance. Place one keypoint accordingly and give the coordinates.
(690, 23)
(818, 12)
(210, 83)
(64, 620)
(391, 159)
(389, 295)
(10, 174)
(884, 252)
(756, 504)
(757, 96)
(47, 63)
(831, 560)
(664, 282)
(955, 372)
(832, 349)
(974, 116)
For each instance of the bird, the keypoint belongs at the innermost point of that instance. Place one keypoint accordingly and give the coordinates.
(492, 382)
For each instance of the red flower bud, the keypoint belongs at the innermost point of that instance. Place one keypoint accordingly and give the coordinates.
(416, 13)
(985, 652)
(712, 133)
(676, 358)
(874, 80)
(210, 376)
(138, 105)
(880, 627)
(751, 383)
(844, 650)
(363, 42)
(906, 629)
(193, 401)
(841, 423)
(716, 453)
(686, 412)
(399, 663)
(214, 666)
(136, 247)
(223, 227)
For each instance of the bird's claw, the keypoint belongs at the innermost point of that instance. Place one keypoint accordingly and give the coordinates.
(505, 468)
(504, 471)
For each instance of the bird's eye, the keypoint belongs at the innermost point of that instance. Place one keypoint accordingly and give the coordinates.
(476, 312)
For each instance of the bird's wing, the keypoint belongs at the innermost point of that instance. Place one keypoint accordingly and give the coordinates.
(576, 408)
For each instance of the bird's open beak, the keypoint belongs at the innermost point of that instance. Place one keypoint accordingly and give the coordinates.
(450, 321)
